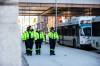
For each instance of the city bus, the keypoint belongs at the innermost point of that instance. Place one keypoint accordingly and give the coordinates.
(76, 32)
(96, 33)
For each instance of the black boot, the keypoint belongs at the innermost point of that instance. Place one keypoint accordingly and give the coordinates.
(36, 52)
(30, 53)
(51, 52)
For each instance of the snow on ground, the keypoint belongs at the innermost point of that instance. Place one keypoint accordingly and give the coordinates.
(65, 56)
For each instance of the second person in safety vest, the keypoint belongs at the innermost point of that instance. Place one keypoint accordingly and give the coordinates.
(39, 40)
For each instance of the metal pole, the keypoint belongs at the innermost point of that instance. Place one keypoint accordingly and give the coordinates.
(28, 6)
(56, 15)
(29, 13)
(24, 22)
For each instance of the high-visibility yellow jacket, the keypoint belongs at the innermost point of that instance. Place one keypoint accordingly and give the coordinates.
(41, 36)
(25, 35)
(36, 35)
(53, 35)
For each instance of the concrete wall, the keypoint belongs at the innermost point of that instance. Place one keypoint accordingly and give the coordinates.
(64, 1)
(10, 49)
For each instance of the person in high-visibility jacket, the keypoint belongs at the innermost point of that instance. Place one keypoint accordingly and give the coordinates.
(28, 38)
(39, 40)
(53, 36)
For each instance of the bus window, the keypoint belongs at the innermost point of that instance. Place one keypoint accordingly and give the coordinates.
(96, 29)
(82, 32)
(87, 31)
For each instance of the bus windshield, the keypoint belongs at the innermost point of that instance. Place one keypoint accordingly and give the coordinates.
(87, 31)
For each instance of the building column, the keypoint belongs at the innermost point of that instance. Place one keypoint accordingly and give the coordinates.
(10, 49)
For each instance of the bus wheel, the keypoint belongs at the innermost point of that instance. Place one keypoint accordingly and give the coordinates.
(74, 43)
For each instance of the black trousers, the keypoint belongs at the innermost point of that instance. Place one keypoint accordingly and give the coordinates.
(38, 46)
(29, 46)
(52, 43)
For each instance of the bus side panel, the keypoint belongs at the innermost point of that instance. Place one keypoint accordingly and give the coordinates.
(68, 34)
(68, 40)
(96, 35)
(96, 42)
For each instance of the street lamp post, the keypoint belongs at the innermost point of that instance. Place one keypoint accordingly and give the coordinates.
(55, 16)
